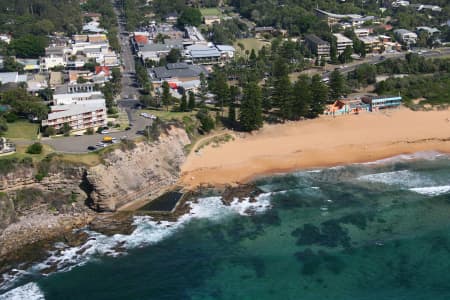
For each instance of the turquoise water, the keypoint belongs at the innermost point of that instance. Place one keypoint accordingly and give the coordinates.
(369, 231)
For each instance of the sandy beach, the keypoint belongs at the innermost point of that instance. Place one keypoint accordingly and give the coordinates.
(322, 142)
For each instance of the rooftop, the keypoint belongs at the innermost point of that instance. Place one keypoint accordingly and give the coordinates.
(178, 70)
(61, 111)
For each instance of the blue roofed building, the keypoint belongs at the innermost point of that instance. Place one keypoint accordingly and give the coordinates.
(382, 102)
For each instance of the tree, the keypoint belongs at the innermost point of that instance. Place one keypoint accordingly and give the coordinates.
(319, 93)
(35, 148)
(10, 65)
(183, 103)
(232, 113)
(173, 56)
(3, 125)
(250, 117)
(337, 84)
(190, 16)
(166, 97)
(28, 46)
(49, 131)
(66, 129)
(302, 97)
(203, 89)
(206, 122)
(191, 103)
(220, 89)
(346, 55)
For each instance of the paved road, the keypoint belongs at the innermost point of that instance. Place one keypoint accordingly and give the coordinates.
(79, 144)
(129, 86)
(376, 59)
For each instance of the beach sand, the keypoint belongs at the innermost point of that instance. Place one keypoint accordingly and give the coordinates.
(321, 142)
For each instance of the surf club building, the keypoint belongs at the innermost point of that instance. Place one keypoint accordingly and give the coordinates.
(382, 102)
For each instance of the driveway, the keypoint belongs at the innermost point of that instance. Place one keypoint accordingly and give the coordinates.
(79, 144)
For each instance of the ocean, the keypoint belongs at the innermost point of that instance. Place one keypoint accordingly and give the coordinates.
(369, 231)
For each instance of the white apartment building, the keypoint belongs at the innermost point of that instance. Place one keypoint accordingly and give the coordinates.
(342, 42)
(77, 116)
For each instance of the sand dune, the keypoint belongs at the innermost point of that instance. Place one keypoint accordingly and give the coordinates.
(321, 142)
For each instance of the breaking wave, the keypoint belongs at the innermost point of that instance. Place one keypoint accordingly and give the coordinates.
(147, 232)
(432, 190)
(29, 291)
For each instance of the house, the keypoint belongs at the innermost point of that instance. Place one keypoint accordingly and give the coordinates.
(5, 38)
(318, 46)
(36, 83)
(210, 20)
(77, 116)
(153, 52)
(422, 7)
(12, 77)
(342, 42)
(93, 27)
(195, 36)
(171, 18)
(432, 32)
(382, 102)
(6, 146)
(31, 65)
(77, 93)
(92, 16)
(202, 54)
(399, 3)
(50, 62)
(226, 51)
(56, 78)
(406, 36)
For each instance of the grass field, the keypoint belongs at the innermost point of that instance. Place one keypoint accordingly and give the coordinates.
(169, 115)
(250, 43)
(210, 12)
(22, 130)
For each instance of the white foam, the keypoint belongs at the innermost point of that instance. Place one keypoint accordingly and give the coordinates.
(404, 178)
(424, 155)
(148, 232)
(432, 190)
(29, 291)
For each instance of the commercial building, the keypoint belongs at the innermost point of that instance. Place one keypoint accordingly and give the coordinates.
(332, 19)
(318, 46)
(199, 53)
(382, 102)
(342, 42)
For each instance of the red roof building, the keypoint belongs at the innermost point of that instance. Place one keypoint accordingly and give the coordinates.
(141, 39)
(104, 69)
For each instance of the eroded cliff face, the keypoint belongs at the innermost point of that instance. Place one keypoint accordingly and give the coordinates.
(68, 197)
(147, 169)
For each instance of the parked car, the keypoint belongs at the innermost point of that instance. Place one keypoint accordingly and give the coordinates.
(92, 148)
(128, 128)
(104, 131)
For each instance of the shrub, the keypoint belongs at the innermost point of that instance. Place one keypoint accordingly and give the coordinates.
(49, 131)
(35, 148)
(89, 131)
(11, 117)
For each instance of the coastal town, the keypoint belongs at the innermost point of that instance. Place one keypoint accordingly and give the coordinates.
(114, 109)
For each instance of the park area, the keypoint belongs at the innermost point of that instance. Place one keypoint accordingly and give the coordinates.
(22, 129)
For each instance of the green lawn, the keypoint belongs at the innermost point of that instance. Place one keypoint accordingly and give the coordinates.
(22, 130)
(210, 11)
(168, 115)
(250, 43)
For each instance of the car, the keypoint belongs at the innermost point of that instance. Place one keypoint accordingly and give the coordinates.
(104, 131)
(92, 148)
(79, 134)
(128, 128)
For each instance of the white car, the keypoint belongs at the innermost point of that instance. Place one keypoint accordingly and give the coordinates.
(105, 131)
